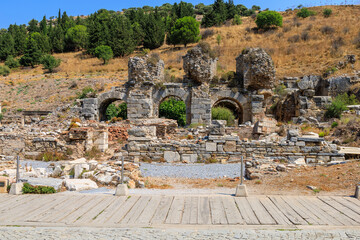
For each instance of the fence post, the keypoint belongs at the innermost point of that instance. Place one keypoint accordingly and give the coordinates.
(241, 188)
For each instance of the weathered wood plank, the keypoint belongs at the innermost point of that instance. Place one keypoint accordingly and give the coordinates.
(353, 200)
(275, 213)
(262, 214)
(194, 210)
(308, 203)
(347, 204)
(204, 216)
(217, 211)
(76, 215)
(95, 211)
(355, 218)
(187, 211)
(232, 212)
(64, 206)
(150, 210)
(303, 212)
(15, 201)
(135, 212)
(343, 219)
(288, 211)
(162, 210)
(110, 210)
(123, 210)
(176, 210)
(246, 211)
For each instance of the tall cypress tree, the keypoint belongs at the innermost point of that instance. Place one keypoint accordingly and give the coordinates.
(32, 53)
(154, 31)
(43, 26)
(231, 9)
(19, 34)
(7, 45)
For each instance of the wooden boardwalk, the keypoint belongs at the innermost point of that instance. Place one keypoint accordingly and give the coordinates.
(111, 211)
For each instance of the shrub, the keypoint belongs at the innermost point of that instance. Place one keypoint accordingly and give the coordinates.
(11, 62)
(29, 189)
(339, 104)
(86, 92)
(173, 109)
(294, 39)
(206, 49)
(337, 43)
(104, 52)
(268, 19)
(357, 41)
(4, 71)
(305, 36)
(114, 111)
(327, 30)
(334, 124)
(1, 116)
(327, 12)
(304, 13)
(49, 62)
(280, 90)
(207, 33)
(237, 20)
(222, 113)
(321, 134)
(50, 156)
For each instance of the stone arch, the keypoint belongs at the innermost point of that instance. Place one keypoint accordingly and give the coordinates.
(237, 102)
(175, 91)
(105, 99)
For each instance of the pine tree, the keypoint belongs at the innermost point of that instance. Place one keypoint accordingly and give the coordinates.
(185, 31)
(19, 34)
(33, 54)
(33, 26)
(43, 26)
(231, 10)
(154, 31)
(7, 45)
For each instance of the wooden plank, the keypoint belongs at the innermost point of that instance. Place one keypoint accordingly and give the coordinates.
(262, 214)
(96, 211)
(232, 212)
(54, 209)
(333, 212)
(204, 216)
(70, 210)
(342, 209)
(110, 210)
(194, 210)
(123, 210)
(77, 214)
(162, 210)
(246, 211)
(15, 201)
(347, 204)
(275, 213)
(187, 211)
(353, 200)
(288, 211)
(19, 208)
(150, 210)
(308, 203)
(217, 210)
(135, 212)
(303, 212)
(176, 210)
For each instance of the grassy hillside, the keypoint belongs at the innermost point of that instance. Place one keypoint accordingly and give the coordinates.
(301, 46)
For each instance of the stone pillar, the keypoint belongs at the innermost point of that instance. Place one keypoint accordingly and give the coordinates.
(257, 110)
(200, 106)
(140, 104)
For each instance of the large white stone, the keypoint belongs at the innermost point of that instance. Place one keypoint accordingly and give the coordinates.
(171, 156)
(210, 147)
(77, 161)
(79, 184)
(190, 158)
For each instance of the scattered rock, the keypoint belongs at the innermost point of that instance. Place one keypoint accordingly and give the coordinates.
(79, 184)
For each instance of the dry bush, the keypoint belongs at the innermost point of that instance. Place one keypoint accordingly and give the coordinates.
(294, 39)
(207, 33)
(286, 28)
(327, 30)
(305, 36)
(357, 41)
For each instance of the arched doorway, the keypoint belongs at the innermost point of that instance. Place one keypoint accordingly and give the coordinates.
(114, 103)
(173, 107)
(234, 106)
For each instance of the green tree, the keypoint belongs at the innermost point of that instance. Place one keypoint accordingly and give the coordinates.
(57, 37)
(154, 31)
(76, 38)
(19, 34)
(223, 113)
(237, 20)
(42, 41)
(231, 9)
(7, 45)
(255, 8)
(43, 26)
(4, 71)
(33, 53)
(185, 31)
(268, 19)
(183, 9)
(104, 52)
(119, 111)
(33, 26)
(49, 62)
(339, 104)
(217, 16)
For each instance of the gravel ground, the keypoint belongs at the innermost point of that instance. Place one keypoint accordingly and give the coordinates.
(200, 171)
(49, 233)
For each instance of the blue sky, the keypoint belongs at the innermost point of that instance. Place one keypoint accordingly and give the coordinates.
(22, 11)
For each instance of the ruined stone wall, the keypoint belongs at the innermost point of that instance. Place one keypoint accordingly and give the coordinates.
(231, 148)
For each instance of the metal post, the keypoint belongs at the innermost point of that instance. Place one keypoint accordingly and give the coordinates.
(242, 170)
(122, 169)
(17, 169)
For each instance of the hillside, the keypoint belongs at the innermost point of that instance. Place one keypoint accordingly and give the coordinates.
(300, 47)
